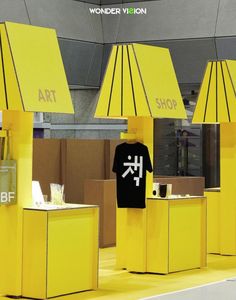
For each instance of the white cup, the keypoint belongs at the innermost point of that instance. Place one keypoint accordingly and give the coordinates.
(155, 189)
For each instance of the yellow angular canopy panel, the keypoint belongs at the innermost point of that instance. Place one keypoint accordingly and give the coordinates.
(128, 107)
(217, 97)
(13, 96)
(34, 72)
(106, 91)
(140, 97)
(3, 104)
(159, 82)
(115, 106)
(140, 81)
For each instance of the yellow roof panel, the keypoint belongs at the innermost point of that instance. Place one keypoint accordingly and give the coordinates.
(13, 95)
(39, 68)
(159, 82)
(217, 98)
(3, 104)
(140, 81)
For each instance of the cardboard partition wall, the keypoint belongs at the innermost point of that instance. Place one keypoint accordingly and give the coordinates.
(84, 160)
(67, 162)
(47, 163)
(70, 162)
(184, 185)
(103, 193)
(110, 147)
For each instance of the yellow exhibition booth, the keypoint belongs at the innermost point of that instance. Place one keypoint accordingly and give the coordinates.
(49, 251)
(39, 252)
(216, 105)
(140, 84)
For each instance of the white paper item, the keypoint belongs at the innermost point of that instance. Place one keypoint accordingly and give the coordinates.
(37, 194)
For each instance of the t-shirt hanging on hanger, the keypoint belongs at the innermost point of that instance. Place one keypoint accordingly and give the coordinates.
(131, 162)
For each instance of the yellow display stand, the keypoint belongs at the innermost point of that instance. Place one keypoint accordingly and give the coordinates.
(32, 78)
(139, 84)
(176, 234)
(213, 219)
(217, 104)
(131, 223)
(175, 231)
(20, 125)
(60, 250)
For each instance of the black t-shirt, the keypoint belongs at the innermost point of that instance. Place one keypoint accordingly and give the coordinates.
(131, 162)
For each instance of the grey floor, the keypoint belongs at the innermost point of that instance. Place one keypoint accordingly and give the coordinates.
(224, 290)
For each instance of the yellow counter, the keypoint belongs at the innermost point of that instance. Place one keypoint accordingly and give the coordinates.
(176, 234)
(168, 236)
(60, 250)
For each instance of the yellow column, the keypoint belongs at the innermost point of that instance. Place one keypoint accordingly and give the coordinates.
(228, 188)
(142, 127)
(132, 238)
(20, 125)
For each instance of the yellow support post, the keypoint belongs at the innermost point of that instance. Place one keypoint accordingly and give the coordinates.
(216, 104)
(132, 237)
(140, 84)
(20, 124)
(228, 189)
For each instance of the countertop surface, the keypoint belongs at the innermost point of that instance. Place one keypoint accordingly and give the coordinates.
(215, 189)
(66, 206)
(177, 197)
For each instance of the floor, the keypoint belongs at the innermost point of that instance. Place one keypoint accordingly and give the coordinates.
(222, 290)
(119, 284)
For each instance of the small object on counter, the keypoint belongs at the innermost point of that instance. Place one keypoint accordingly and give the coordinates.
(57, 194)
(37, 194)
(169, 190)
(163, 190)
(155, 190)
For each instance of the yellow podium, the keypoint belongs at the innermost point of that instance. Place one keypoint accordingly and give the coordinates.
(60, 250)
(174, 231)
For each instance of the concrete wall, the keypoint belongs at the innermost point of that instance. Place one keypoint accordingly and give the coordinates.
(194, 31)
(80, 34)
(83, 124)
(186, 27)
